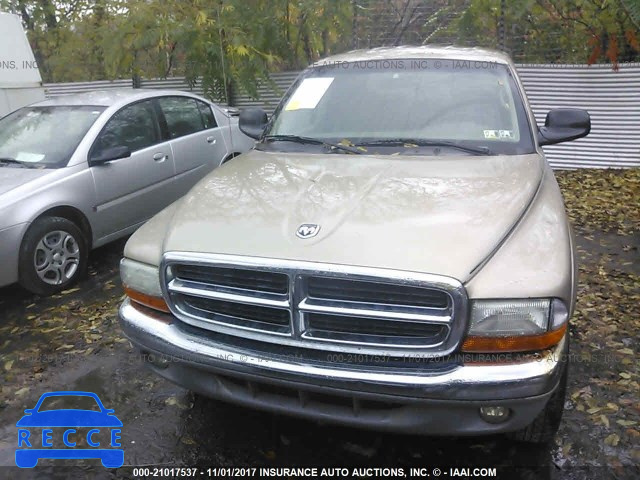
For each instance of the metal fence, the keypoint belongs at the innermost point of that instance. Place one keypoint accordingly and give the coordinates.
(58, 89)
(612, 98)
(268, 95)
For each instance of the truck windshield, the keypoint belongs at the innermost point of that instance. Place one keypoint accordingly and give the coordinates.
(410, 106)
(44, 136)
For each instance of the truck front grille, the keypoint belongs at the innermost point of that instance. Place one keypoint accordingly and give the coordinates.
(319, 306)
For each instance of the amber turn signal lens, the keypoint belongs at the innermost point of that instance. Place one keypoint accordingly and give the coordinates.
(524, 343)
(156, 303)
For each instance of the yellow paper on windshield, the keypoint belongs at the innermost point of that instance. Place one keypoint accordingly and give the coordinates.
(309, 93)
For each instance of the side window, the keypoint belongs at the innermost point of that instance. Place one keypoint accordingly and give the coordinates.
(207, 115)
(182, 116)
(134, 127)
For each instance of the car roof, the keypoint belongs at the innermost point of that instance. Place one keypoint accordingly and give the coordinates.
(417, 52)
(110, 97)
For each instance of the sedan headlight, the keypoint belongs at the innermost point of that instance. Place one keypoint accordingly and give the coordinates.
(142, 284)
(515, 325)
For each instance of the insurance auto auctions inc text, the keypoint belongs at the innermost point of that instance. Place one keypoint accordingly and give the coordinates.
(378, 472)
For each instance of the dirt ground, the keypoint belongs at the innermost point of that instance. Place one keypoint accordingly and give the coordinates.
(72, 341)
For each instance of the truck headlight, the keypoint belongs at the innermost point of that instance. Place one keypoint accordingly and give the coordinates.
(142, 284)
(515, 325)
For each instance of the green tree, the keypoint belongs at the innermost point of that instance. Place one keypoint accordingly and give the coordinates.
(559, 31)
(63, 35)
(228, 43)
(233, 44)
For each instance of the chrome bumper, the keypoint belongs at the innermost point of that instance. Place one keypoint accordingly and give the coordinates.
(435, 403)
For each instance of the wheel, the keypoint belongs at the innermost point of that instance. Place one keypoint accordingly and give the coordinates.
(543, 429)
(53, 255)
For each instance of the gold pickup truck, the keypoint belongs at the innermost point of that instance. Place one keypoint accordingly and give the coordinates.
(393, 254)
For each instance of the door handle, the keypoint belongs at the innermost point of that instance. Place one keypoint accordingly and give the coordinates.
(211, 140)
(160, 157)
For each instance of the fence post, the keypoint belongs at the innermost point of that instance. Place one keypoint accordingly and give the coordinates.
(501, 27)
(230, 93)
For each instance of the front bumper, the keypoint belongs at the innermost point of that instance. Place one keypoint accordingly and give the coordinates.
(445, 401)
(10, 239)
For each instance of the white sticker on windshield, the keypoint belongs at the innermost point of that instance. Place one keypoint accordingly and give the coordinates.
(497, 134)
(309, 93)
(29, 157)
(491, 134)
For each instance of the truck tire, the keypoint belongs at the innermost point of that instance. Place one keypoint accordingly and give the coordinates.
(53, 255)
(543, 429)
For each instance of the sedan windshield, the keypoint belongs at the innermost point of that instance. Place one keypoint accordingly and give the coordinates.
(408, 107)
(44, 136)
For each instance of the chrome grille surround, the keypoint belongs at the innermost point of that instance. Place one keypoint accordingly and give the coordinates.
(450, 321)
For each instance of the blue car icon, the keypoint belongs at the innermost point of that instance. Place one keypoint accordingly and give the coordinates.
(95, 419)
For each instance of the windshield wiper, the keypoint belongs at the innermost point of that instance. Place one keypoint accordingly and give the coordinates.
(9, 160)
(311, 141)
(413, 142)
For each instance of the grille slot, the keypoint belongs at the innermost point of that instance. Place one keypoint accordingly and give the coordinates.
(371, 330)
(239, 314)
(373, 292)
(236, 278)
(371, 326)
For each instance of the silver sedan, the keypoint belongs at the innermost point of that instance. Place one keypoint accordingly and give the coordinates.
(79, 171)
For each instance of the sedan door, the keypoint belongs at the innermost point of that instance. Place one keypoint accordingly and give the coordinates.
(131, 190)
(197, 142)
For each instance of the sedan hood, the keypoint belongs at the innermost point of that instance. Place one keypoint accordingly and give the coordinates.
(440, 215)
(13, 177)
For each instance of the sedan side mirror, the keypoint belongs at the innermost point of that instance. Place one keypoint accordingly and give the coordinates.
(564, 125)
(108, 154)
(252, 122)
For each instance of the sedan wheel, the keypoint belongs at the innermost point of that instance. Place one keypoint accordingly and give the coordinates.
(57, 257)
(53, 255)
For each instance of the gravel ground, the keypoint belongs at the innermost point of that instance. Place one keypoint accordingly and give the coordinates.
(72, 341)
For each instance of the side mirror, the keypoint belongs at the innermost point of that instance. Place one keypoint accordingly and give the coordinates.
(564, 125)
(108, 154)
(109, 411)
(252, 122)
(29, 411)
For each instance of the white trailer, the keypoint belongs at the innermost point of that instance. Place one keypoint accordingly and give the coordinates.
(20, 81)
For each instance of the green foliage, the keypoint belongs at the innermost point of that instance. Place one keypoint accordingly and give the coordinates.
(232, 44)
(229, 44)
(556, 31)
(633, 8)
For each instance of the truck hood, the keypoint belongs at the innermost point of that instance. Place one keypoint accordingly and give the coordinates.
(441, 215)
(13, 177)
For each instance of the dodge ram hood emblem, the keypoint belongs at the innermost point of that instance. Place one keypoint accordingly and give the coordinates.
(308, 230)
